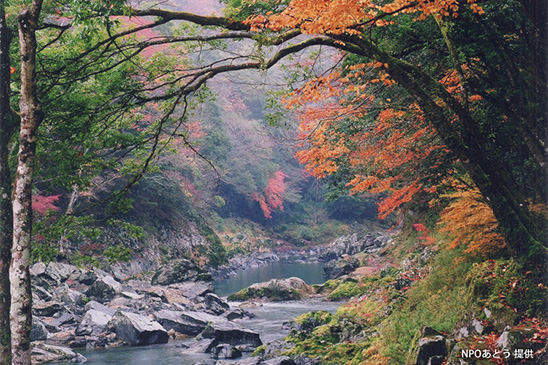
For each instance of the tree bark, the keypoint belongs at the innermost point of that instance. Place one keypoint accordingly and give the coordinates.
(31, 117)
(6, 221)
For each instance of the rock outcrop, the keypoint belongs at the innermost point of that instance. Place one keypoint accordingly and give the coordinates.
(180, 271)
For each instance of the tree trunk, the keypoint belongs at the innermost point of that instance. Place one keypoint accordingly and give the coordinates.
(6, 221)
(31, 117)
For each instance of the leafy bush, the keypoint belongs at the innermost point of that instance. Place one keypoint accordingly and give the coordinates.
(117, 253)
(41, 251)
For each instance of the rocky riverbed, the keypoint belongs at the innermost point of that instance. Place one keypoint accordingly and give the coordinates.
(76, 308)
(80, 308)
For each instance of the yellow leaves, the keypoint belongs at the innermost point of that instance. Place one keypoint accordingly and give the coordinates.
(472, 222)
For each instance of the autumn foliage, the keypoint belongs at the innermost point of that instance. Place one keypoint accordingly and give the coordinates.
(471, 222)
(272, 197)
(348, 16)
(395, 153)
(41, 204)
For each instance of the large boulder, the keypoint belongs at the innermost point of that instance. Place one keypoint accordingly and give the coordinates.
(93, 323)
(275, 290)
(238, 313)
(179, 271)
(104, 289)
(229, 333)
(99, 307)
(520, 338)
(186, 323)
(52, 274)
(136, 329)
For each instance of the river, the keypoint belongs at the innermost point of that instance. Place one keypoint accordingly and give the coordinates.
(268, 321)
(311, 273)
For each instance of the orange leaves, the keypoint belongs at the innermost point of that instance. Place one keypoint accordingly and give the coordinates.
(472, 223)
(389, 155)
(393, 157)
(347, 16)
(318, 89)
(325, 148)
(318, 16)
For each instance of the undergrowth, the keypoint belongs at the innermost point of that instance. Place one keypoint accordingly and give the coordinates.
(432, 286)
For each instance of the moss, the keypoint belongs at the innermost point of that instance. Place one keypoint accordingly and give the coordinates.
(259, 351)
(346, 290)
(313, 319)
(507, 287)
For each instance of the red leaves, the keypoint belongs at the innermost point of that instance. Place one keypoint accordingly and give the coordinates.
(272, 198)
(419, 227)
(41, 204)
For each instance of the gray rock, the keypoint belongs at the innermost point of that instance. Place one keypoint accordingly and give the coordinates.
(337, 268)
(87, 277)
(246, 348)
(275, 290)
(60, 272)
(470, 326)
(104, 289)
(64, 319)
(136, 329)
(132, 295)
(41, 293)
(216, 304)
(225, 351)
(229, 333)
(93, 323)
(66, 295)
(109, 280)
(353, 244)
(179, 271)
(46, 309)
(43, 353)
(200, 347)
(99, 307)
(38, 331)
(518, 338)
(431, 344)
(194, 291)
(238, 313)
(186, 323)
(38, 268)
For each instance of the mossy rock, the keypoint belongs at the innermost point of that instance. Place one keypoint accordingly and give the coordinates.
(276, 290)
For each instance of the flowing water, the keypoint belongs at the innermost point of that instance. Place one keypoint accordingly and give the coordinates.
(268, 321)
